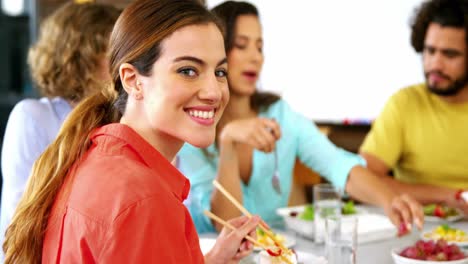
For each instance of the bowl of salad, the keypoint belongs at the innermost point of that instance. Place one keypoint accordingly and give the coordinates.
(437, 213)
(301, 218)
(447, 233)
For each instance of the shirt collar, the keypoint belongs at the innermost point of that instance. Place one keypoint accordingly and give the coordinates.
(178, 183)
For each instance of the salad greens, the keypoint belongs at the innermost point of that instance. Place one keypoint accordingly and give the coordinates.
(308, 213)
(348, 208)
(439, 211)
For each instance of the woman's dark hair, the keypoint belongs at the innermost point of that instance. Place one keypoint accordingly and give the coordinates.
(228, 12)
(448, 13)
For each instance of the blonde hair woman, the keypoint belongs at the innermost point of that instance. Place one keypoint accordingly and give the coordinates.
(67, 63)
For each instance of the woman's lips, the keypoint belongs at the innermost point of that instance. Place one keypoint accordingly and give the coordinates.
(250, 76)
(203, 115)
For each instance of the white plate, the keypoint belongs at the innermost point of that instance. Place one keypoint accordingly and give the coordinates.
(439, 220)
(206, 244)
(289, 241)
(371, 227)
(302, 258)
(305, 227)
(309, 258)
(460, 244)
(285, 211)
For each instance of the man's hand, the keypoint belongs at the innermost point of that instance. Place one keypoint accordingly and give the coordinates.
(454, 199)
(403, 211)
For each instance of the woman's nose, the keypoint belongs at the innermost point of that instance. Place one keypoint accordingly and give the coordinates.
(211, 90)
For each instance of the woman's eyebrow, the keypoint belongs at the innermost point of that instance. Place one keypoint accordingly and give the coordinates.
(190, 58)
(197, 60)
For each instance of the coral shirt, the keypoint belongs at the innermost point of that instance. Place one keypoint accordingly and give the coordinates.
(122, 205)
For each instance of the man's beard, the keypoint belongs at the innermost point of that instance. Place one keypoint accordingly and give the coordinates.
(453, 89)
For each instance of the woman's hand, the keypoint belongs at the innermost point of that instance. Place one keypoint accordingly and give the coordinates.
(260, 133)
(403, 211)
(231, 246)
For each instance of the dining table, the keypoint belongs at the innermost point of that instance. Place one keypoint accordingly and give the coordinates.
(377, 251)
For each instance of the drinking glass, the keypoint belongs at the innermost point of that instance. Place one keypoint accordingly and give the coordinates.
(341, 239)
(327, 203)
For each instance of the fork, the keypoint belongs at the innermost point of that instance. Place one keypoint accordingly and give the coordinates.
(275, 179)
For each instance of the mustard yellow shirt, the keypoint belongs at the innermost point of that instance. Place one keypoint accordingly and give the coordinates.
(423, 138)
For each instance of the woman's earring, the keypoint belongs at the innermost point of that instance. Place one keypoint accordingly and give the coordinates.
(137, 96)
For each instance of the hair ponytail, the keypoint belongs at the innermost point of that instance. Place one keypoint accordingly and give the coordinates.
(24, 237)
(135, 39)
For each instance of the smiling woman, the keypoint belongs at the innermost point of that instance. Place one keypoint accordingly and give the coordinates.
(112, 195)
(186, 84)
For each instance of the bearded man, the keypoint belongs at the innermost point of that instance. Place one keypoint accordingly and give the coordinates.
(421, 135)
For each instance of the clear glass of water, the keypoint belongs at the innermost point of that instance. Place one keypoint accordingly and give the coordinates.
(327, 203)
(341, 240)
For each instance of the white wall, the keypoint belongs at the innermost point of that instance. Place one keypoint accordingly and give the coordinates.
(347, 56)
(13, 7)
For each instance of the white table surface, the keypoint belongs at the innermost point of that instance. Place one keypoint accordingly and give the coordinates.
(376, 252)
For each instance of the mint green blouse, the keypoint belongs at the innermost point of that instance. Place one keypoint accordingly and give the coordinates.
(300, 138)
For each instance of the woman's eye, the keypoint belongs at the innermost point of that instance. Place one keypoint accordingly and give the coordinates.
(188, 72)
(240, 46)
(221, 73)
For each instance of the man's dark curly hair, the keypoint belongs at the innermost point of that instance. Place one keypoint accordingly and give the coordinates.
(451, 13)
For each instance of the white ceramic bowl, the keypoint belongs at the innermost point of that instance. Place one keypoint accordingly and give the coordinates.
(302, 227)
(403, 260)
(264, 258)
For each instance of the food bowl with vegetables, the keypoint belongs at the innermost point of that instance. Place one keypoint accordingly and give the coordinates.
(301, 218)
(439, 213)
(447, 233)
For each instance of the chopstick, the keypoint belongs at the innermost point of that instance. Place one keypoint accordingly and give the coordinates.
(231, 198)
(265, 229)
(228, 225)
(251, 239)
